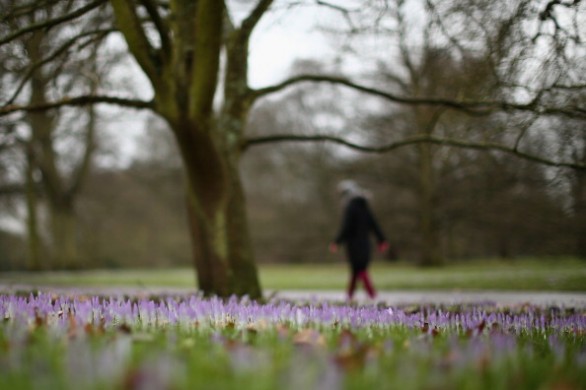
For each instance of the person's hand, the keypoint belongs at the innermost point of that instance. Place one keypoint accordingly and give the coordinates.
(383, 246)
(333, 247)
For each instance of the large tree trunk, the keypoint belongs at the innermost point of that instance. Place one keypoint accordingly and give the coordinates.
(32, 226)
(217, 215)
(579, 193)
(64, 236)
(430, 251)
(184, 75)
(59, 190)
(240, 252)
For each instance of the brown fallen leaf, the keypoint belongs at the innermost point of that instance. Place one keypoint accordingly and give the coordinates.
(124, 328)
(309, 337)
(355, 359)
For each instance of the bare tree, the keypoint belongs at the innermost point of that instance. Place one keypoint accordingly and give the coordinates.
(45, 64)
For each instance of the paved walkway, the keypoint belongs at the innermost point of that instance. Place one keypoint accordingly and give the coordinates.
(392, 298)
(504, 298)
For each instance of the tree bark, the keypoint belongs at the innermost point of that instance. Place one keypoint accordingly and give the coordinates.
(579, 193)
(32, 226)
(217, 216)
(64, 236)
(430, 251)
(240, 252)
(183, 73)
(60, 198)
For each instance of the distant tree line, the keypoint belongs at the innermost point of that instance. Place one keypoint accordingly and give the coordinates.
(468, 128)
(485, 205)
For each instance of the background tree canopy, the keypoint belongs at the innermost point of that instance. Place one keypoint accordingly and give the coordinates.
(472, 115)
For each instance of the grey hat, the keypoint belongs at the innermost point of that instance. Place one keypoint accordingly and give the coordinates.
(348, 187)
(348, 190)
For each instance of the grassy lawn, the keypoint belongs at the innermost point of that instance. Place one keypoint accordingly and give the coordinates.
(530, 274)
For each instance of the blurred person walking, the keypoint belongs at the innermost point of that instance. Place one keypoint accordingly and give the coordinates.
(357, 224)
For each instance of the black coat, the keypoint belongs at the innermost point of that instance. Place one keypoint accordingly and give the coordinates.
(357, 224)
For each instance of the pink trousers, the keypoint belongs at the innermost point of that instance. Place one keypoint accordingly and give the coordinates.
(363, 276)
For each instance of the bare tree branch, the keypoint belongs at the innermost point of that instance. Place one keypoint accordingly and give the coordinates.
(78, 101)
(344, 11)
(336, 7)
(160, 25)
(470, 108)
(405, 50)
(12, 189)
(228, 23)
(569, 87)
(484, 146)
(436, 17)
(80, 174)
(61, 50)
(254, 17)
(523, 131)
(131, 26)
(23, 9)
(207, 43)
(52, 22)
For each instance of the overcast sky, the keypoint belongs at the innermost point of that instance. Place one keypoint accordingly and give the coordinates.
(281, 38)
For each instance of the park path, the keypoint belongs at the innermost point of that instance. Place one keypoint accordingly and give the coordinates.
(391, 298)
(503, 298)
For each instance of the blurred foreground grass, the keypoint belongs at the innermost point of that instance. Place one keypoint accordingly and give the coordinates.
(565, 274)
